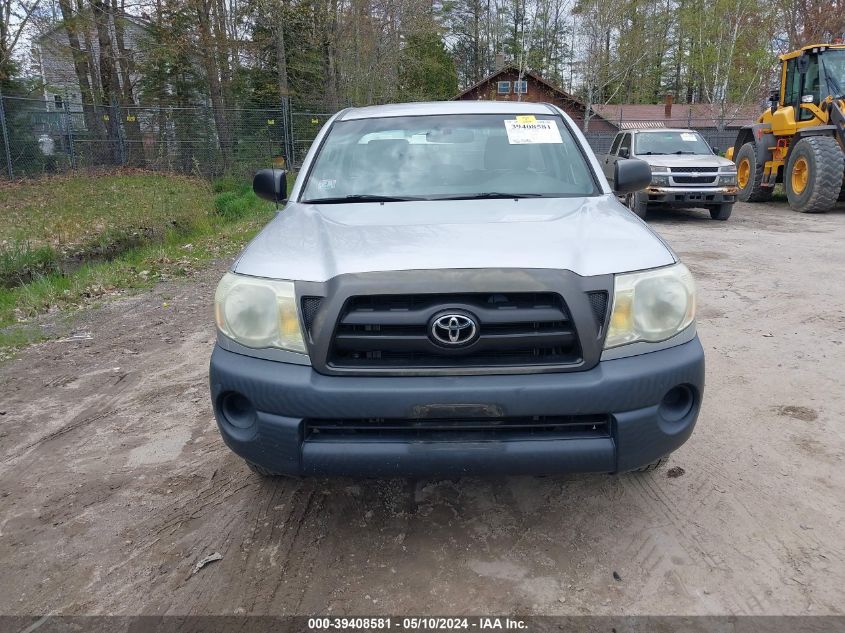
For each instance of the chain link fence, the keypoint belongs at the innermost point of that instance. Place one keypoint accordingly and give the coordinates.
(41, 137)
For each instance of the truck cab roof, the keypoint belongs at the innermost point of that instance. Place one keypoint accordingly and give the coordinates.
(431, 108)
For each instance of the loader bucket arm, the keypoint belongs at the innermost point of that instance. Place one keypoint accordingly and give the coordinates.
(837, 119)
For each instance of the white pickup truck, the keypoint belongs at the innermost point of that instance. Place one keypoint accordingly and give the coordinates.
(686, 172)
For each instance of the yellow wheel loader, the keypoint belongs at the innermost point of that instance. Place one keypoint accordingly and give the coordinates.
(800, 139)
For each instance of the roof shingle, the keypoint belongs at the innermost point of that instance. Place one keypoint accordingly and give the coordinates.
(683, 115)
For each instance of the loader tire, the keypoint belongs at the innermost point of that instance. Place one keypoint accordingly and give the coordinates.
(813, 177)
(750, 176)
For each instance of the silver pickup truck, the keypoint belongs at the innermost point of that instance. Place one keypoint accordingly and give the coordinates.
(451, 289)
(685, 171)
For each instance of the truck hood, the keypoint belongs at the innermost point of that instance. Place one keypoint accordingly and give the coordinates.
(589, 236)
(686, 160)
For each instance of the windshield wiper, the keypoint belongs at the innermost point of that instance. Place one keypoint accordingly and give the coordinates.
(832, 83)
(652, 153)
(680, 151)
(492, 195)
(361, 197)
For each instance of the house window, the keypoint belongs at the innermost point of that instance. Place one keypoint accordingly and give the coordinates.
(520, 87)
(503, 87)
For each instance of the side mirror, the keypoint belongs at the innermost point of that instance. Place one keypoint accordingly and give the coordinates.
(271, 184)
(631, 175)
(624, 152)
(715, 150)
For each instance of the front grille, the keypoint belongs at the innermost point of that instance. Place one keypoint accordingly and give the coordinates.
(694, 180)
(456, 429)
(598, 302)
(310, 306)
(700, 170)
(514, 329)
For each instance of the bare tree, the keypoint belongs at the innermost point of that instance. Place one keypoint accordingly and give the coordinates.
(810, 21)
(210, 56)
(730, 54)
(108, 75)
(83, 67)
(14, 17)
(126, 68)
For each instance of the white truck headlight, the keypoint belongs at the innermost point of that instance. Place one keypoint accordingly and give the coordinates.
(652, 305)
(727, 175)
(258, 312)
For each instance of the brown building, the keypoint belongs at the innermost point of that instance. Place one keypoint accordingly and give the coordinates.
(505, 85)
(700, 116)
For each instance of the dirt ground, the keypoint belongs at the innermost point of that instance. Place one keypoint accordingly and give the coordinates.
(114, 481)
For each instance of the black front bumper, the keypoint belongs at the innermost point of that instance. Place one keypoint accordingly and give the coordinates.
(285, 397)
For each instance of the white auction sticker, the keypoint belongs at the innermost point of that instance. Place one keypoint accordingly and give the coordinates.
(686, 136)
(537, 131)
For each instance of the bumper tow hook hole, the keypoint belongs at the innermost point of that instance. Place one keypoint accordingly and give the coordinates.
(677, 403)
(238, 410)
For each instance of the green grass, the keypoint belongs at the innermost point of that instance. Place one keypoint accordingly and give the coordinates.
(52, 224)
(14, 338)
(20, 262)
(237, 203)
(170, 242)
(71, 210)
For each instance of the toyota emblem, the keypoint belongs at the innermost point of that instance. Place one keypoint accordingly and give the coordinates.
(454, 330)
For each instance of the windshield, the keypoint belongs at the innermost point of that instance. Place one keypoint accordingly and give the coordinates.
(443, 157)
(833, 61)
(671, 143)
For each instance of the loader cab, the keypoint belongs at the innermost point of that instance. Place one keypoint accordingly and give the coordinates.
(808, 77)
(801, 84)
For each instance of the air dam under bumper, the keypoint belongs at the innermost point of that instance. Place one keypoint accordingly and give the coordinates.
(681, 196)
(269, 425)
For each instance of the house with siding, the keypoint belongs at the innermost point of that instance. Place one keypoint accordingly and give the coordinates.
(52, 54)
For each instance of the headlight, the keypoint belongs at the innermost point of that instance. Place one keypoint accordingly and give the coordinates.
(258, 312)
(652, 306)
(659, 176)
(728, 180)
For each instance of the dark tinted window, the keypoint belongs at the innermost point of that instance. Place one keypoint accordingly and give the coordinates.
(616, 141)
(625, 144)
(792, 85)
